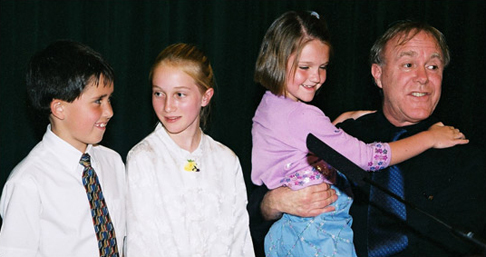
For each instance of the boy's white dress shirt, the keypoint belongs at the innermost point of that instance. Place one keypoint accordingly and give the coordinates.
(44, 205)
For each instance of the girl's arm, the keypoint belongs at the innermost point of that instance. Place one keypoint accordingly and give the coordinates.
(437, 136)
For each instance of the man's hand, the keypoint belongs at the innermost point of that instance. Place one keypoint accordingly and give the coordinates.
(307, 202)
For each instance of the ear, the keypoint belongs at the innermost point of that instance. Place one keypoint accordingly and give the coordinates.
(206, 98)
(376, 71)
(57, 108)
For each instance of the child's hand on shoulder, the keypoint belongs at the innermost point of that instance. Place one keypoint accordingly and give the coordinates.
(446, 136)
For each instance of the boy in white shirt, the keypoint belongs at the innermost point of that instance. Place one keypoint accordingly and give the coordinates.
(54, 204)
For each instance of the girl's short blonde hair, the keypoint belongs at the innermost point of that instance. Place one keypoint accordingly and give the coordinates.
(287, 35)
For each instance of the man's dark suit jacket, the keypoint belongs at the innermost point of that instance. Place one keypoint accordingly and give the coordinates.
(447, 183)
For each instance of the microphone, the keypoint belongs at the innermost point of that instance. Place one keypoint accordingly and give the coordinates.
(359, 177)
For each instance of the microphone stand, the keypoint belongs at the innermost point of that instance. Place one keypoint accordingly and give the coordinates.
(358, 176)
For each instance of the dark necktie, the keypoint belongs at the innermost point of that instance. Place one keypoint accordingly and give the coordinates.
(384, 238)
(105, 232)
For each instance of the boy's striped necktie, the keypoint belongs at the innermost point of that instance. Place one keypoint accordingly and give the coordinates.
(105, 232)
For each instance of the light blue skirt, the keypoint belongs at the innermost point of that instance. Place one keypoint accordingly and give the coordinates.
(328, 234)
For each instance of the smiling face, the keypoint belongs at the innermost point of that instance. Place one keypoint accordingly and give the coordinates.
(310, 71)
(84, 120)
(177, 100)
(411, 79)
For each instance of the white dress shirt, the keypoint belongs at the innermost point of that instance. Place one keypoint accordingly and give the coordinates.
(174, 210)
(44, 205)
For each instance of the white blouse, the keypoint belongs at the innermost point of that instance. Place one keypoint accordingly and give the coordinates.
(185, 204)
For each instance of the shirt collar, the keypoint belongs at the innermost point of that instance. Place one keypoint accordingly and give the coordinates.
(67, 155)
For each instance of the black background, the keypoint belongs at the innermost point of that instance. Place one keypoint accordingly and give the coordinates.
(129, 34)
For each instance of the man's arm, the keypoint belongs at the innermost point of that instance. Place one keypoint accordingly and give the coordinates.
(307, 202)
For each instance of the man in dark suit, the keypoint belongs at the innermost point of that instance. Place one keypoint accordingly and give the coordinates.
(407, 64)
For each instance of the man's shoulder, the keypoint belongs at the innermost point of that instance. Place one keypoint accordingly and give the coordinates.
(457, 154)
(369, 118)
(456, 159)
(364, 127)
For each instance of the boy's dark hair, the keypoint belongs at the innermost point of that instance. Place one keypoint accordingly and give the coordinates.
(61, 71)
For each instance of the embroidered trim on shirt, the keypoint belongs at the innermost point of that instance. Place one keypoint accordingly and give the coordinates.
(380, 157)
(300, 178)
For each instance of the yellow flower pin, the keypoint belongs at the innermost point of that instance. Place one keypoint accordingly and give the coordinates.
(191, 166)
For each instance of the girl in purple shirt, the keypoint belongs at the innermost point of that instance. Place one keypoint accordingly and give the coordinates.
(292, 66)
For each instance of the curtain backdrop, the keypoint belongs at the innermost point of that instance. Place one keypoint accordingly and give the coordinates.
(130, 34)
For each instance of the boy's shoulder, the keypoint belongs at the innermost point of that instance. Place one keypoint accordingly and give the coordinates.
(42, 160)
(33, 162)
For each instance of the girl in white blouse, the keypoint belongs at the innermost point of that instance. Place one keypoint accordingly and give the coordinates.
(186, 193)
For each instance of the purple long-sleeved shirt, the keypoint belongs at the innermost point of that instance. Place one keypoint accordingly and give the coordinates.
(280, 129)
